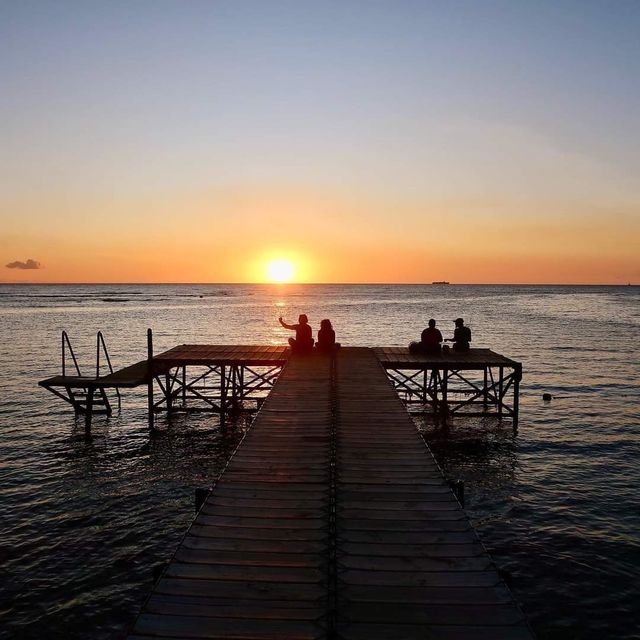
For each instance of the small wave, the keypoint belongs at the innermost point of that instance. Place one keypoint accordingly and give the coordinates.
(115, 299)
(598, 349)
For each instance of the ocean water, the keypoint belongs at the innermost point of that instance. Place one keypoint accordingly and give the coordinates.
(85, 521)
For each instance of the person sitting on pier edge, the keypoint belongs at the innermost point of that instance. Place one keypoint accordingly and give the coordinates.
(430, 340)
(304, 335)
(326, 337)
(461, 336)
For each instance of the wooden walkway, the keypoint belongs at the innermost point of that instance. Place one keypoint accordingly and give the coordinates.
(331, 520)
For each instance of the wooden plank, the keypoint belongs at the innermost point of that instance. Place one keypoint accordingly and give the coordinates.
(466, 595)
(404, 614)
(415, 564)
(411, 578)
(291, 547)
(223, 628)
(239, 590)
(259, 534)
(227, 608)
(363, 631)
(250, 558)
(386, 549)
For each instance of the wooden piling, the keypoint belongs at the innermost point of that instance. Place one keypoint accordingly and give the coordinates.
(516, 397)
(88, 414)
(150, 404)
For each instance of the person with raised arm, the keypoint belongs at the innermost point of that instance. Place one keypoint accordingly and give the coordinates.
(304, 335)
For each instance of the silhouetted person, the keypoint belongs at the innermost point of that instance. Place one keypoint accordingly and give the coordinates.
(461, 336)
(304, 335)
(430, 340)
(326, 337)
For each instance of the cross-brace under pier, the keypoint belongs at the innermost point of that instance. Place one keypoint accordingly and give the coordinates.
(474, 383)
(215, 378)
(216, 388)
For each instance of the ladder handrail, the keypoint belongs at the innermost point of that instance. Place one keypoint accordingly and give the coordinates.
(101, 343)
(66, 343)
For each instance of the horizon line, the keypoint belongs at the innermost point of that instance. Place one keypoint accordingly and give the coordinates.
(351, 284)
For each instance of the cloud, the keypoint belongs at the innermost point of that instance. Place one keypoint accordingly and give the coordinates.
(28, 264)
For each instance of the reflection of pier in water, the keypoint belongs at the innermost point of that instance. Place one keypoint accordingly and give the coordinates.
(331, 518)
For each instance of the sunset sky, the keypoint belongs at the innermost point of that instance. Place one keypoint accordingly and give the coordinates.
(380, 141)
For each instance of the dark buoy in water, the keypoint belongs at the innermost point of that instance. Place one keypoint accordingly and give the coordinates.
(547, 397)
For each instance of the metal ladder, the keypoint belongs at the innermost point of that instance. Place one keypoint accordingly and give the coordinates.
(79, 396)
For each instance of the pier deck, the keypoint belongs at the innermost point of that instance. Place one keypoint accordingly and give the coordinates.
(402, 358)
(206, 354)
(224, 378)
(331, 520)
(477, 382)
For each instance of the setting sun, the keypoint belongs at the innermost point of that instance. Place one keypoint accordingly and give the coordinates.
(280, 271)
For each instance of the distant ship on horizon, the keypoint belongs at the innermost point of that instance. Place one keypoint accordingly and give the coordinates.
(440, 282)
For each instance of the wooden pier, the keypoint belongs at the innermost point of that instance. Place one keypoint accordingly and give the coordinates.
(331, 520)
(227, 378)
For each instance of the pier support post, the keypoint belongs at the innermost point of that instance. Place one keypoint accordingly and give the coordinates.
(105, 400)
(200, 495)
(223, 395)
(157, 571)
(457, 486)
(150, 374)
(235, 382)
(517, 376)
(89, 410)
(167, 391)
(485, 396)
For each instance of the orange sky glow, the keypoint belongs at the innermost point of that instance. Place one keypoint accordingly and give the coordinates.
(361, 142)
(233, 236)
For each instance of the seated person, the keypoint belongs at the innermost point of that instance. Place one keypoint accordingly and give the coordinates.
(304, 335)
(461, 336)
(430, 340)
(326, 337)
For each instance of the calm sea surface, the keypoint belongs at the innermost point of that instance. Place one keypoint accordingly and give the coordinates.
(83, 522)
